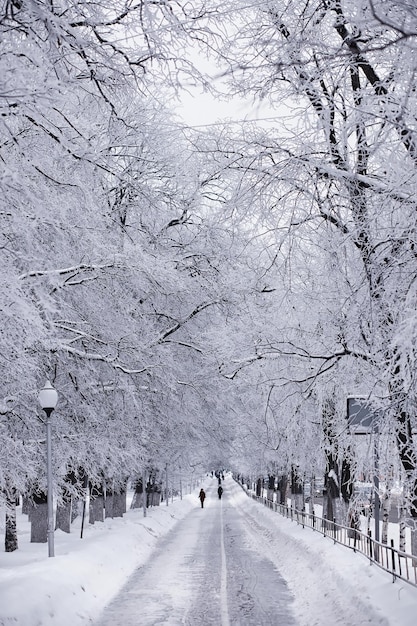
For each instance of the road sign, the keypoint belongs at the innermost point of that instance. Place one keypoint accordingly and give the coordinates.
(362, 417)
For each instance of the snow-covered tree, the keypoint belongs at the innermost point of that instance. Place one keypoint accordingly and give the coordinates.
(330, 187)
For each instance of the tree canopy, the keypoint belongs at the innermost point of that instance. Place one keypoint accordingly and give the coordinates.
(206, 295)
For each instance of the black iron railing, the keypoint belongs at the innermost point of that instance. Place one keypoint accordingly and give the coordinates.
(399, 564)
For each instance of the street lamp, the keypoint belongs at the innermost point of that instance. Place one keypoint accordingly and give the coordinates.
(48, 398)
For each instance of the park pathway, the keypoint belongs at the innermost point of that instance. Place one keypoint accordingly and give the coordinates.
(207, 571)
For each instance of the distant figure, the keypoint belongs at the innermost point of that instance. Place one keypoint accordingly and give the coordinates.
(220, 491)
(202, 496)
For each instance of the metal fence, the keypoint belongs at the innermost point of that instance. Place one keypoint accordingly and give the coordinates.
(398, 564)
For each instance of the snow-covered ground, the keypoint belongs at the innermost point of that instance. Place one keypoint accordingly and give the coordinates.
(72, 588)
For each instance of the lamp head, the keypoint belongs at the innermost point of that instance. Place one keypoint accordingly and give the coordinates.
(48, 397)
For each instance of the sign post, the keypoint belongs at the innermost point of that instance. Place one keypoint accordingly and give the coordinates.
(364, 420)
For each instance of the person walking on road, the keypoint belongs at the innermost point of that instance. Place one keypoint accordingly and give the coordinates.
(202, 496)
(220, 491)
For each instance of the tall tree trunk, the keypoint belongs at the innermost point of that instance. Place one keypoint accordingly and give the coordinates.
(64, 511)
(75, 508)
(115, 504)
(109, 501)
(296, 490)
(406, 449)
(332, 506)
(282, 487)
(137, 501)
(271, 488)
(408, 458)
(119, 501)
(312, 492)
(39, 518)
(10, 538)
(25, 504)
(64, 515)
(96, 512)
(402, 527)
(385, 508)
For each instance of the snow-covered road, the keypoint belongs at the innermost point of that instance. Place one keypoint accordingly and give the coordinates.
(221, 565)
(206, 571)
(180, 564)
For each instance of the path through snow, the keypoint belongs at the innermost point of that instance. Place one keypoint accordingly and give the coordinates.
(226, 565)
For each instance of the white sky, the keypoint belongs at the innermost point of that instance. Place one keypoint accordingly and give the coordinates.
(329, 583)
(202, 109)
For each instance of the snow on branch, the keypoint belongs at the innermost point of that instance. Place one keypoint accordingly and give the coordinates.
(110, 361)
(327, 360)
(186, 345)
(178, 325)
(79, 334)
(406, 134)
(66, 270)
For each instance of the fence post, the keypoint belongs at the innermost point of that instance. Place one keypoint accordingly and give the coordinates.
(393, 561)
(370, 544)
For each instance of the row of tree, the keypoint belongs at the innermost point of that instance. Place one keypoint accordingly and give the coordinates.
(191, 290)
(113, 274)
(333, 181)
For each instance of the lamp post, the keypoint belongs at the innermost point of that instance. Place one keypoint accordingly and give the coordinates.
(48, 398)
